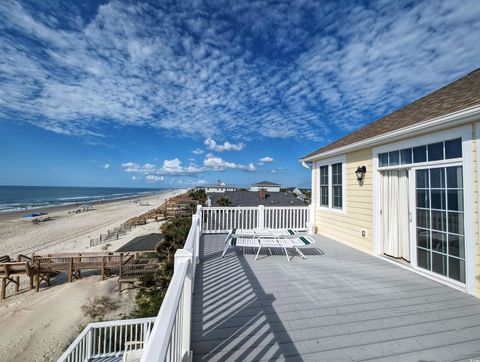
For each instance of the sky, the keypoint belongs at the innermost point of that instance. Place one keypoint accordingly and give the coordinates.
(183, 93)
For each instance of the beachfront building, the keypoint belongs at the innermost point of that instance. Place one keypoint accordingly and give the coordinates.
(220, 186)
(256, 198)
(266, 185)
(405, 187)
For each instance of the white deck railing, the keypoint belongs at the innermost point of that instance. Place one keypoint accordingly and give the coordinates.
(169, 339)
(223, 219)
(108, 339)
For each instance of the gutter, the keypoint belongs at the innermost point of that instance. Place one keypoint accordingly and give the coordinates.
(452, 119)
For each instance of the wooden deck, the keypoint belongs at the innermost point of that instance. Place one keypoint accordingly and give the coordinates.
(339, 305)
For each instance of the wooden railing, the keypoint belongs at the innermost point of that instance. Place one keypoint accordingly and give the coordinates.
(223, 219)
(108, 339)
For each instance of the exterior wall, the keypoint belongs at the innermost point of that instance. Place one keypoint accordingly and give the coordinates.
(268, 188)
(346, 226)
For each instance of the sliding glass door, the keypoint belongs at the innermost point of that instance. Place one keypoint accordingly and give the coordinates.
(440, 231)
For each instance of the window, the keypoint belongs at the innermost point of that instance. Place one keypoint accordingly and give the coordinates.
(324, 186)
(330, 185)
(435, 151)
(337, 185)
(440, 221)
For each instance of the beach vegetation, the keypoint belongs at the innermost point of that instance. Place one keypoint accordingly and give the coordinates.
(98, 307)
(106, 246)
(153, 287)
(224, 201)
(199, 195)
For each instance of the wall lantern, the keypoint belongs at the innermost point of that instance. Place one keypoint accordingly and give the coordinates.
(361, 171)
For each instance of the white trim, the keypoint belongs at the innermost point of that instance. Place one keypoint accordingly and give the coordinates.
(425, 273)
(329, 162)
(464, 132)
(450, 120)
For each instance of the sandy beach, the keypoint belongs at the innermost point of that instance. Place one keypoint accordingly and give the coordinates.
(41, 325)
(70, 232)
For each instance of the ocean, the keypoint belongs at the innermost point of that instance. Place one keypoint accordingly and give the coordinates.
(17, 198)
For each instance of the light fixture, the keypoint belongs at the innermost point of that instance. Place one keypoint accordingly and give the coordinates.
(361, 171)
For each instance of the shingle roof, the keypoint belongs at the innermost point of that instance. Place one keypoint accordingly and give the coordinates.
(266, 183)
(461, 94)
(252, 198)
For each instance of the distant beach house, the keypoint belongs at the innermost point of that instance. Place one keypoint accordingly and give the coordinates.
(266, 185)
(405, 187)
(219, 187)
(255, 198)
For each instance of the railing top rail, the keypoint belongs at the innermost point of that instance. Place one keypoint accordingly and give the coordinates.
(122, 322)
(166, 316)
(230, 208)
(287, 207)
(253, 207)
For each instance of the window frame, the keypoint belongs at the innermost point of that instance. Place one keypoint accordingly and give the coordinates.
(329, 163)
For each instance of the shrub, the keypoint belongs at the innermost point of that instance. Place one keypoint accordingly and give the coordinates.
(98, 307)
(224, 201)
(199, 195)
(154, 287)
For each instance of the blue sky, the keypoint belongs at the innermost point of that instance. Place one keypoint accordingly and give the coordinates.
(162, 94)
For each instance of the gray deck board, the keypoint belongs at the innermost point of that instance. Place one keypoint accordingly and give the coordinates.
(339, 305)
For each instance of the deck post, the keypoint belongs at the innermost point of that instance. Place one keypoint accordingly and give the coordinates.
(103, 268)
(4, 287)
(183, 255)
(70, 271)
(196, 219)
(261, 217)
(311, 219)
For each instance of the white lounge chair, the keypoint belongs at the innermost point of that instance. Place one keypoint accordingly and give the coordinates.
(267, 238)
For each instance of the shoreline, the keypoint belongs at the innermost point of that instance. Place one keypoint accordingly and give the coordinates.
(11, 215)
(72, 232)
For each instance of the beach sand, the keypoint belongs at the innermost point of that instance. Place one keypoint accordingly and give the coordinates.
(69, 232)
(39, 326)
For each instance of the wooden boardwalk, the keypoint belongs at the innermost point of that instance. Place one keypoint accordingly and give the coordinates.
(41, 268)
(339, 305)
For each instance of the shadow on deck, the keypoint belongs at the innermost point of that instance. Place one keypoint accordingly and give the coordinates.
(339, 305)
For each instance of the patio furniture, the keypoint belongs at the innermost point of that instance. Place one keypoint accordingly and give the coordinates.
(267, 238)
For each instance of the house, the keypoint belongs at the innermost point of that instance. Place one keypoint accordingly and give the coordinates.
(267, 185)
(255, 198)
(405, 187)
(219, 187)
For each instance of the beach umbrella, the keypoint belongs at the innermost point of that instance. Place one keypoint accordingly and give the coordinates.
(36, 214)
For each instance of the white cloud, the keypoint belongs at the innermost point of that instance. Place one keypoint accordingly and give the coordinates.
(135, 178)
(227, 146)
(147, 168)
(197, 151)
(195, 76)
(219, 164)
(264, 160)
(174, 167)
(154, 178)
(106, 166)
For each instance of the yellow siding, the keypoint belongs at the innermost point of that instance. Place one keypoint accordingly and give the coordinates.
(347, 227)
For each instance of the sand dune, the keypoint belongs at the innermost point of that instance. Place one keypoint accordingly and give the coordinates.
(38, 326)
